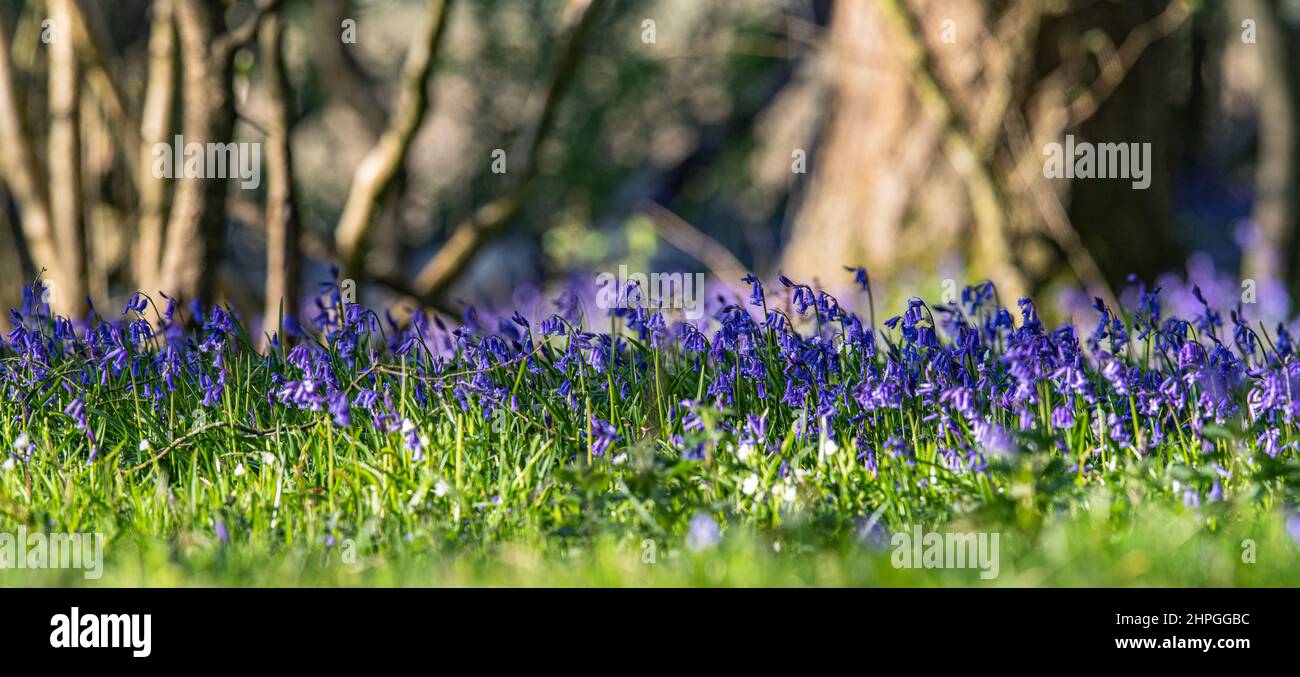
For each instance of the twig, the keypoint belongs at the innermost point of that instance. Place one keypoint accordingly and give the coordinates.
(1054, 214)
(88, 22)
(697, 244)
(214, 426)
(1115, 64)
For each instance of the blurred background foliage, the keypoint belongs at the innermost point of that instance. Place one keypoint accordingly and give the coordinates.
(789, 136)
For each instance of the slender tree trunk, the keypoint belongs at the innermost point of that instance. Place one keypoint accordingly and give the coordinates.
(21, 170)
(70, 289)
(1277, 169)
(155, 128)
(282, 226)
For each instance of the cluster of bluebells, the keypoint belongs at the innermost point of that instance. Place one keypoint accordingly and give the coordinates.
(967, 381)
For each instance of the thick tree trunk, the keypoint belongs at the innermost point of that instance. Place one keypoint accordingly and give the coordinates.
(933, 153)
(899, 181)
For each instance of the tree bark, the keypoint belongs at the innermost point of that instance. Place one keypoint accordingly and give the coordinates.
(1273, 254)
(374, 176)
(195, 237)
(155, 128)
(22, 172)
(282, 225)
(487, 221)
(66, 214)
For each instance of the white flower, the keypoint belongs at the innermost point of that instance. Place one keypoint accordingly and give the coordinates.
(145, 446)
(239, 470)
(407, 426)
(828, 447)
(620, 459)
(23, 442)
(268, 458)
(745, 451)
(787, 492)
(440, 489)
(750, 485)
(8, 464)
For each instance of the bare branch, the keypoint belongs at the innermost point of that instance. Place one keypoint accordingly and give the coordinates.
(243, 34)
(962, 151)
(1115, 64)
(697, 244)
(470, 235)
(375, 174)
(90, 32)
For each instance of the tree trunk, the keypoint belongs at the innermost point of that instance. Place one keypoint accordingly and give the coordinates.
(1272, 256)
(21, 170)
(933, 154)
(70, 284)
(282, 226)
(889, 190)
(155, 128)
(196, 229)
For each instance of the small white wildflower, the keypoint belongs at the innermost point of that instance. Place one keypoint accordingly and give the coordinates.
(424, 441)
(440, 489)
(745, 451)
(407, 426)
(828, 447)
(239, 470)
(268, 458)
(620, 459)
(145, 446)
(750, 485)
(23, 442)
(8, 464)
(788, 492)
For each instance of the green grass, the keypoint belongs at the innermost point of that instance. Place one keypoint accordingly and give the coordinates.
(246, 492)
(317, 505)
